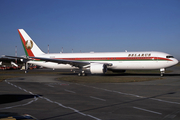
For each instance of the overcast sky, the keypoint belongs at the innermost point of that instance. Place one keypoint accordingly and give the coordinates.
(91, 25)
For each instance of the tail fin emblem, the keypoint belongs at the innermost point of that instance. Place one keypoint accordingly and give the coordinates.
(29, 44)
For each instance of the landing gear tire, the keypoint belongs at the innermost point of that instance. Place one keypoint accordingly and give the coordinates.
(82, 73)
(161, 74)
(79, 74)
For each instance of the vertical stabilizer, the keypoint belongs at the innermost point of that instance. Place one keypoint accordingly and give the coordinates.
(30, 47)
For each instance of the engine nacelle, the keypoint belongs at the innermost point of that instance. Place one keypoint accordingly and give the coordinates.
(98, 68)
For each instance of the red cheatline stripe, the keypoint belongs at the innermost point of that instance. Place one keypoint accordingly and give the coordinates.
(118, 58)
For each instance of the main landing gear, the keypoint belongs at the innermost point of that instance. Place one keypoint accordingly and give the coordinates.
(82, 73)
(162, 70)
(26, 67)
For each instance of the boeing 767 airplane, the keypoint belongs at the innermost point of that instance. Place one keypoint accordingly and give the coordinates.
(97, 63)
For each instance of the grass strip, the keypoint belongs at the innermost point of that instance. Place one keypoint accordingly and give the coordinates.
(110, 77)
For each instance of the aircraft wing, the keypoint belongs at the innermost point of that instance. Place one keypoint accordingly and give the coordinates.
(62, 61)
(74, 63)
(24, 58)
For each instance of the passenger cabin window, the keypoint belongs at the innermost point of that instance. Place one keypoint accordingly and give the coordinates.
(169, 57)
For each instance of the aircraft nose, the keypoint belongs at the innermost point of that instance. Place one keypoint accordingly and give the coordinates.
(175, 61)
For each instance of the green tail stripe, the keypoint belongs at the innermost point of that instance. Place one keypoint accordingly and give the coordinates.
(24, 47)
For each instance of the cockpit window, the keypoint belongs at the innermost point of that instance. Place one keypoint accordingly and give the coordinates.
(169, 57)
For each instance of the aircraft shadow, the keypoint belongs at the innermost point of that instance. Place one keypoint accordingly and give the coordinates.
(124, 74)
(9, 98)
(139, 74)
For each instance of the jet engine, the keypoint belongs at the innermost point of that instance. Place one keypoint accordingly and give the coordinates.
(98, 68)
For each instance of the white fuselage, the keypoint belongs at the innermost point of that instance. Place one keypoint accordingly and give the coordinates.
(119, 60)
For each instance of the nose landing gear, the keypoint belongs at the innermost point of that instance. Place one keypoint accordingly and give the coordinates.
(162, 70)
